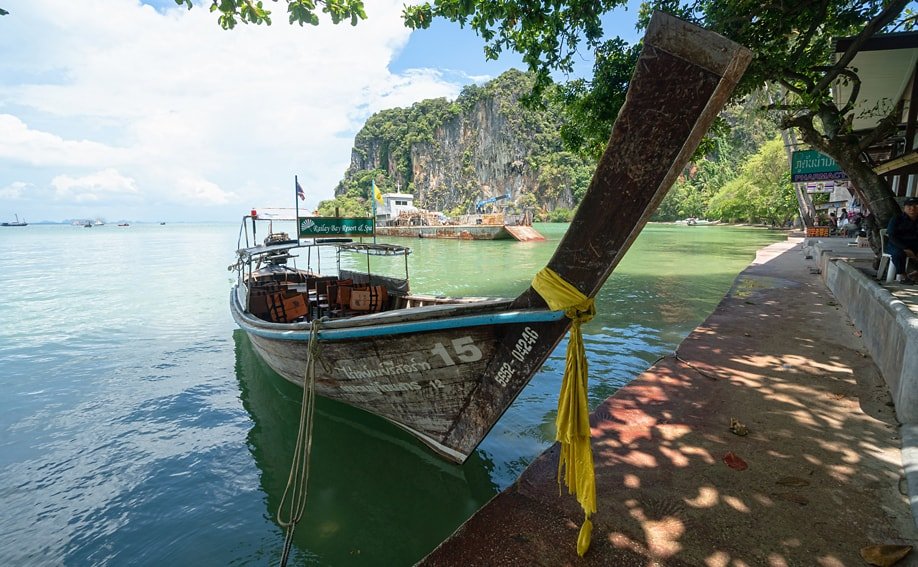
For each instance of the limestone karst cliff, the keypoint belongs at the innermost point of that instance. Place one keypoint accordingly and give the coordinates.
(450, 154)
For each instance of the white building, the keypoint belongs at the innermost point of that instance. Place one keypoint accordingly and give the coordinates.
(393, 204)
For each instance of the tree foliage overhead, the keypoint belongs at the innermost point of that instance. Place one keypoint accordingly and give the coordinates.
(591, 106)
(298, 11)
(546, 33)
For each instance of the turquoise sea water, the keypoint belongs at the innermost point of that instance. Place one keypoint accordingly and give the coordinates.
(137, 426)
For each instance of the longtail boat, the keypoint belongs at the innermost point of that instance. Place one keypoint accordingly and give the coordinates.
(446, 369)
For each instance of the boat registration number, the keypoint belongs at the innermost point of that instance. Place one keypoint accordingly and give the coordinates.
(521, 350)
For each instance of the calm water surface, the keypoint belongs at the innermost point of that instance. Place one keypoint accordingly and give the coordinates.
(137, 426)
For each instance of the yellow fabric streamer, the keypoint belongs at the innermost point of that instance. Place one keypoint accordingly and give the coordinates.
(573, 421)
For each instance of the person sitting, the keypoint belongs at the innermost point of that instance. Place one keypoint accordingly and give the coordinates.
(902, 240)
(843, 223)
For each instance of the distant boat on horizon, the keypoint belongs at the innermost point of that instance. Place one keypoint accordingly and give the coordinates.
(16, 223)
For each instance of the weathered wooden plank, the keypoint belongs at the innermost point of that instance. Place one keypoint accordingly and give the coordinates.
(683, 78)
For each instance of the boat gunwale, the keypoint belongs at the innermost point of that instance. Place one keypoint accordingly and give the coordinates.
(401, 321)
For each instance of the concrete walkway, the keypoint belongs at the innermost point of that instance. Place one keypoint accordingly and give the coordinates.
(823, 474)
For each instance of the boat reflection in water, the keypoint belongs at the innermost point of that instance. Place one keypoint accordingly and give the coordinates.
(374, 490)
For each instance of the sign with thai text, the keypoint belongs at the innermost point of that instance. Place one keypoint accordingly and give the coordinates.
(335, 226)
(811, 165)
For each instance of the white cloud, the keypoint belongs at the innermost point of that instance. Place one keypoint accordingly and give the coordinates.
(95, 187)
(19, 143)
(201, 191)
(104, 101)
(14, 191)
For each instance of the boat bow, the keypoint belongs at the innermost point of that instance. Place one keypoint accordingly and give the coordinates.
(682, 80)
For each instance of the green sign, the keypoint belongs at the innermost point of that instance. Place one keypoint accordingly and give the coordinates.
(335, 226)
(810, 165)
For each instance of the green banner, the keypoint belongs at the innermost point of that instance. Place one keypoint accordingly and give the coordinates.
(811, 165)
(335, 226)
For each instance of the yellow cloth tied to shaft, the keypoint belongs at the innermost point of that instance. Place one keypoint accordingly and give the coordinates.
(573, 421)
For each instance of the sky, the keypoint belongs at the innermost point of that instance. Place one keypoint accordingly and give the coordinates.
(125, 110)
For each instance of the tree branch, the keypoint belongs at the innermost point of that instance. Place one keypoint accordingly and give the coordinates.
(904, 23)
(804, 40)
(873, 26)
(855, 90)
(884, 128)
(794, 88)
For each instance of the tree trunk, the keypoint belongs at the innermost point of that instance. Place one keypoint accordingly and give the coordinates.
(871, 190)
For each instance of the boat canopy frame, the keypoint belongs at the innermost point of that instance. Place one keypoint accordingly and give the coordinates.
(250, 256)
(378, 249)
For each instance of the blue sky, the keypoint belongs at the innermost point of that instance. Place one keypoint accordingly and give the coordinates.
(124, 110)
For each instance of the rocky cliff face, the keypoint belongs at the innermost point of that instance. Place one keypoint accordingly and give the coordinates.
(452, 154)
(475, 155)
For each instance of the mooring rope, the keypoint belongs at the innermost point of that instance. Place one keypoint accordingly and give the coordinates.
(297, 482)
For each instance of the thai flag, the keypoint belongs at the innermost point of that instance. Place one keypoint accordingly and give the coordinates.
(299, 191)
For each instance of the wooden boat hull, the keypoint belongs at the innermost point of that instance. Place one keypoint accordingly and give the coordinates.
(418, 372)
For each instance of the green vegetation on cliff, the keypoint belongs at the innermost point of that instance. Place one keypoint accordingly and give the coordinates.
(450, 154)
(487, 142)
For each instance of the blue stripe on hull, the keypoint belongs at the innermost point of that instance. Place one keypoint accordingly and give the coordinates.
(508, 318)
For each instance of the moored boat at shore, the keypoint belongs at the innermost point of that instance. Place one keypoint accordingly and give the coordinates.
(446, 369)
(410, 222)
(522, 233)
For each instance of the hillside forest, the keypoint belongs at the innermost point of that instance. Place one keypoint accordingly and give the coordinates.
(499, 138)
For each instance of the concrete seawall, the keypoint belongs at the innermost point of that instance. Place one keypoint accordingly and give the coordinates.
(889, 326)
(818, 477)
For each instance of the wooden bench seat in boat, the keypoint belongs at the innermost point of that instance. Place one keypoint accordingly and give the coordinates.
(373, 298)
(286, 309)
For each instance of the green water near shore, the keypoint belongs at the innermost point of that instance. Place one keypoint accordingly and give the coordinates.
(138, 426)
